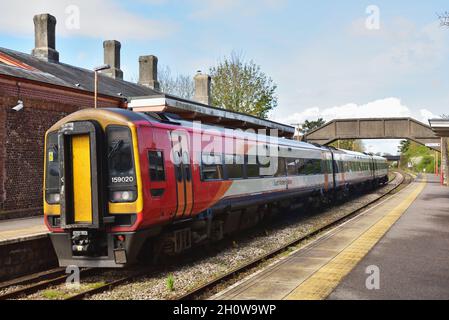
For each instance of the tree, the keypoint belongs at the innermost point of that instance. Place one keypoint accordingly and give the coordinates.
(309, 126)
(349, 144)
(404, 146)
(178, 85)
(418, 158)
(444, 19)
(241, 86)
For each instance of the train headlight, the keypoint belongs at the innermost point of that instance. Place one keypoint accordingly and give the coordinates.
(53, 198)
(123, 196)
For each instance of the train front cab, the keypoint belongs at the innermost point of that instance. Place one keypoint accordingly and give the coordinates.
(92, 190)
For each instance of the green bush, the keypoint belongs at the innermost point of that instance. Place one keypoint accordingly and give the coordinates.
(420, 157)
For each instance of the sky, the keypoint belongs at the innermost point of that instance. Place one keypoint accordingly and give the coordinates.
(330, 59)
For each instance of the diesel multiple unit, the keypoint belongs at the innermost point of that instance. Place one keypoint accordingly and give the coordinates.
(118, 182)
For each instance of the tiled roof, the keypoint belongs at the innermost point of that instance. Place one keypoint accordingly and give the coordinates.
(70, 76)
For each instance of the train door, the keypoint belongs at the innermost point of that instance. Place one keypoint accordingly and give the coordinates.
(80, 145)
(333, 170)
(182, 162)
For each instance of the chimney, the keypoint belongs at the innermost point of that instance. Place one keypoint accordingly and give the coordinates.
(44, 38)
(112, 58)
(202, 88)
(148, 72)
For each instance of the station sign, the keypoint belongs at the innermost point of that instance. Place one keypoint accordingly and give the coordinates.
(433, 145)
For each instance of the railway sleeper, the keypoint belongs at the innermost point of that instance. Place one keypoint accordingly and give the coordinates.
(214, 227)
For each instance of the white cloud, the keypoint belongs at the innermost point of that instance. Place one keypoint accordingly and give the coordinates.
(382, 146)
(426, 115)
(360, 65)
(384, 108)
(104, 19)
(415, 50)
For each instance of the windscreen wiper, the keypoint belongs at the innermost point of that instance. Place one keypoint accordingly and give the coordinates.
(117, 146)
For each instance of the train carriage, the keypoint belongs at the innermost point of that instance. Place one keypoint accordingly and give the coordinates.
(117, 179)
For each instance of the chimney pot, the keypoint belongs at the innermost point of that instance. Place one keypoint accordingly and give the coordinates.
(45, 38)
(148, 72)
(202, 88)
(112, 58)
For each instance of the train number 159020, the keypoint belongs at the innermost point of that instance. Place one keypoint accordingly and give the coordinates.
(122, 179)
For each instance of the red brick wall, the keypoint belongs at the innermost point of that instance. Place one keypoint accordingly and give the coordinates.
(22, 138)
(3, 101)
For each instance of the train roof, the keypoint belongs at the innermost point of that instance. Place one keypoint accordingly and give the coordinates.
(124, 115)
(197, 111)
(355, 153)
(361, 154)
(379, 158)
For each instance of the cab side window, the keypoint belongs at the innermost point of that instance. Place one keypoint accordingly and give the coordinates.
(156, 166)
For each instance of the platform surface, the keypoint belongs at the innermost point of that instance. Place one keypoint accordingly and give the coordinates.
(21, 229)
(412, 258)
(406, 236)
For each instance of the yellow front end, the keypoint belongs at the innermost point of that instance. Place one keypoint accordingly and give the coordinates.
(92, 197)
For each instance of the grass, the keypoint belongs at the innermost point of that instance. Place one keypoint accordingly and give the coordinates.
(52, 294)
(96, 285)
(63, 293)
(170, 283)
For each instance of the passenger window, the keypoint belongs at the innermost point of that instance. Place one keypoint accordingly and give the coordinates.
(281, 172)
(311, 167)
(267, 165)
(324, 166)
(329, 166)
(234, 166)
(252, 167)
(291, 167)
(156, 165)
(212, 166)
(300, 164)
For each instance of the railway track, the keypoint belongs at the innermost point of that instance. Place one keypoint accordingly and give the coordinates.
(201, 291)
(39, 282)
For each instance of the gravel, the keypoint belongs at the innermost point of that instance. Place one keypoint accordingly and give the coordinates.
(188, 275)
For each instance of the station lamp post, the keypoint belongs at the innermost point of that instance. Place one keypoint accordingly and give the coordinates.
(96, 70)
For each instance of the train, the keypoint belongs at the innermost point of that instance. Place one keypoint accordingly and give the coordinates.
(120, 184)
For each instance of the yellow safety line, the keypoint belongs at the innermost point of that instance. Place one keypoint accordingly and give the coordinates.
(321, 284)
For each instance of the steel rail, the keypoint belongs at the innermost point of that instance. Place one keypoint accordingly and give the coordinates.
(42, 283)
(39, 283)
(197, 291)
(202, 289)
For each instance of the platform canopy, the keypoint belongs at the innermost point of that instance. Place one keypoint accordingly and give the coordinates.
(440, 127)
(195, 111)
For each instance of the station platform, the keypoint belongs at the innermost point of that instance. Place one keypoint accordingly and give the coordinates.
(22, 229)
(405, 238)
(25, 248)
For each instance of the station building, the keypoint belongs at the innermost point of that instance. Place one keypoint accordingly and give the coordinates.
(37, 89)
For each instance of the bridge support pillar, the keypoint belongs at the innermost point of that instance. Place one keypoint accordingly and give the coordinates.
(444, 161)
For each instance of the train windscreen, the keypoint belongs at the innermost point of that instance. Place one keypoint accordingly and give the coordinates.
(122, 176)
(52, 170)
